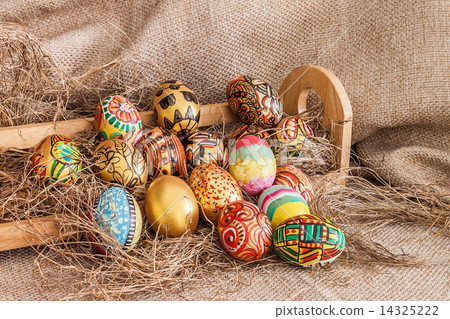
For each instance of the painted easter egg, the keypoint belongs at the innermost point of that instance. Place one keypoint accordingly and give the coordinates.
(163, 153)
(291, 134)
(306, 240)
(116, 117)
(252, 164)
(281, 202)
(171, 207)
(244, 231)
(214, 188)
(176, 108)
(56, 159)
(293, 177)
(118, 162)
(117, 214)
(205, 148)
(254, 102)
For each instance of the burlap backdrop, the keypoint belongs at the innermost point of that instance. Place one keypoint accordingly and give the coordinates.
(391, 56)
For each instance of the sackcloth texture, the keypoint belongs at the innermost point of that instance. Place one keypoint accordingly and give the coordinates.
(391, 56)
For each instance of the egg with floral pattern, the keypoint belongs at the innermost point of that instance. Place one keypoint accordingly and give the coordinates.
(244, 231)
(116, 161)
(56, 159)
(116, 117)
(252, 164)
(214, 188)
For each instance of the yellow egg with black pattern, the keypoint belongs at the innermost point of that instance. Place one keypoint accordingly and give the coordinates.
(176, 107)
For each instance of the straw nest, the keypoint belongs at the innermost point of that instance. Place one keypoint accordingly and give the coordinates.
(33, 88)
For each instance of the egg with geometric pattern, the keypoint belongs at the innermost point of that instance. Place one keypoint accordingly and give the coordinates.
(176, 107)
(116, 117)
(205, 148)
(308, 240)
(163, 153)
(244, 231)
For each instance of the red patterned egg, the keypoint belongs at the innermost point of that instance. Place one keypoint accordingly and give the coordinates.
(214, 188)
(244, 231)
(254, 102)
(116, 117)
(163, 153)
(293, 177)
(291, 134)
(205, 148)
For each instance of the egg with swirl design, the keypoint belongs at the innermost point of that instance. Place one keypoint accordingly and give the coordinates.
(118, 162)
(244, 231)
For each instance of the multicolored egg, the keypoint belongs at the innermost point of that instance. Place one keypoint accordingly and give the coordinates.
(214, 188)
(163, 153)
(252, 164)
(56, 159)
(293, 177)
(205, 148)
(280, 203)
(171, 207)
(291, 134)
(176, 108)
(117, 214)
(254, 102)
(118, 162)
(244, 231)
(116, 117)
(307, 240)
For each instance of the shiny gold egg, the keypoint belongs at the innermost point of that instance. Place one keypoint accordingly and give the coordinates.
(171, 207)
(118, 162)
(176, 107)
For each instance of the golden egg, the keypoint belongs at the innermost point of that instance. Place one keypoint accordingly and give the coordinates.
(118, 162)
(176, 108)
(171, 207)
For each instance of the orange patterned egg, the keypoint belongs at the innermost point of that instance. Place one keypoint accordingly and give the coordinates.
(293, 177)
(214, 188)
(292, 132)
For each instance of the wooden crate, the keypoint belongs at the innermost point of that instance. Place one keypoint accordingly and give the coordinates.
(294, 90)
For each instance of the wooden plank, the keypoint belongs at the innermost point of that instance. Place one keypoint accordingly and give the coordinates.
(337, 108)
(26, 136)
(35, 231)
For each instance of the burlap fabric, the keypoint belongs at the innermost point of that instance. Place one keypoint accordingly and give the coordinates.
(391, 56)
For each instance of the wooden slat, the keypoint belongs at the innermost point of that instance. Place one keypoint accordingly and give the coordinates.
(32, 232)
(337, 109)
(26, 136)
